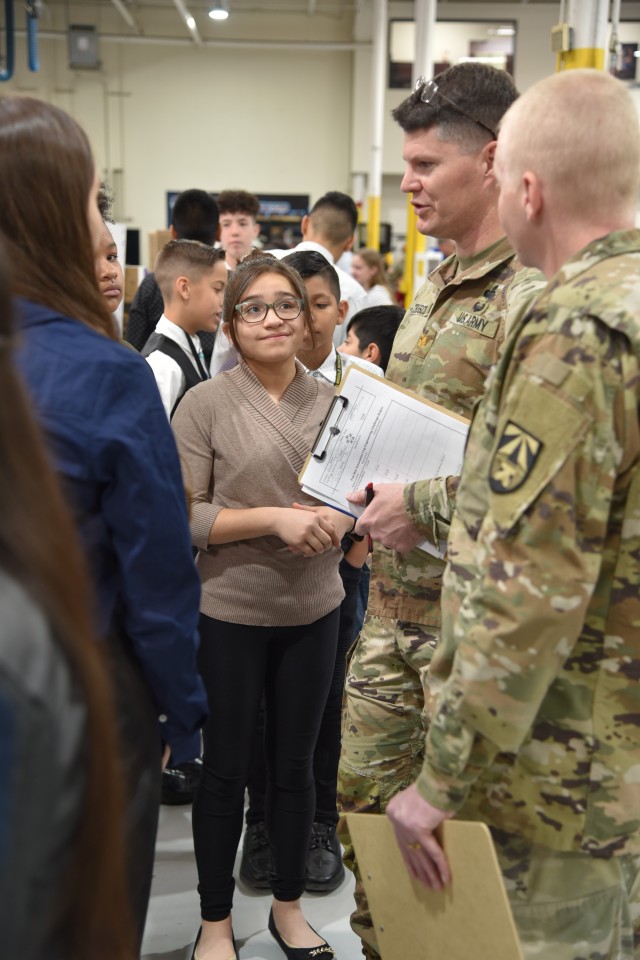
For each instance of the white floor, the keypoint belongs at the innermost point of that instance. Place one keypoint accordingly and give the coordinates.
(174, 917)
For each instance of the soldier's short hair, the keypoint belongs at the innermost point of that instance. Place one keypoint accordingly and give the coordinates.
(481, 94)
(578, 131)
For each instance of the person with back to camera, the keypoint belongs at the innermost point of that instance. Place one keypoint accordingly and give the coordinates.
(368, 268)
(194, 217)
(535, 729)
(271, 593)
(62, 875)
(329, 228)
(446, 345)
(371, 332)
(113, 447)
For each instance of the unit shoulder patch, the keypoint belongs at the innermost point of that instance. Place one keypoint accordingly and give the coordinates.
(514, 458)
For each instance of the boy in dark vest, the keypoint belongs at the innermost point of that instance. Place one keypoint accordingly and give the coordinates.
(191, 277)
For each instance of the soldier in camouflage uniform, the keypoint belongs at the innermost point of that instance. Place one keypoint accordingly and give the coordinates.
(535, 726)
(445, 347)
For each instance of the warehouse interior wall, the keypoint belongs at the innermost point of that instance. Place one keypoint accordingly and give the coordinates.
(166, 114)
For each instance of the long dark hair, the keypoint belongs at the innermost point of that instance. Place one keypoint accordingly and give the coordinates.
(46, 176)
(38, 547)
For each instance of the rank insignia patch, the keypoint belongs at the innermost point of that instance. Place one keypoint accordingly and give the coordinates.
(514, 459)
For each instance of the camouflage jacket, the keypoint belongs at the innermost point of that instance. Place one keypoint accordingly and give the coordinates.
(445, 346)
(536, 726)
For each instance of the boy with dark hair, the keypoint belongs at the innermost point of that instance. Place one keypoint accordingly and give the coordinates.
(239, 225)
(371, 332)
(194, 217)
(191, 277)
(328, 310)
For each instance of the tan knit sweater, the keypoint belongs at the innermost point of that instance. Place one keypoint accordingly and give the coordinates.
(241, 449)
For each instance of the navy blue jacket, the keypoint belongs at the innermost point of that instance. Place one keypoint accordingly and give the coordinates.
(112, 445)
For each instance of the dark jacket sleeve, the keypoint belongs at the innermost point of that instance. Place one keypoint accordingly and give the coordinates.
(144, 507)
(146, 309)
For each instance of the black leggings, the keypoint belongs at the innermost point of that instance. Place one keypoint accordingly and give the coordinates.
(293, 667)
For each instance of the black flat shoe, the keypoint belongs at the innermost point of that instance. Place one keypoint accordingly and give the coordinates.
(197, 940)
(299, 953)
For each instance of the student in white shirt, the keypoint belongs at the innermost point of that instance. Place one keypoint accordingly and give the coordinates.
(192, 277)
(329, 229)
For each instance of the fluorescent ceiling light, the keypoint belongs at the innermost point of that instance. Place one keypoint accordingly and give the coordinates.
(190, 22)
(219, 11)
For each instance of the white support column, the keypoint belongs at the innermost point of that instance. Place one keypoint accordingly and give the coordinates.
(416, 244)
(378, 76)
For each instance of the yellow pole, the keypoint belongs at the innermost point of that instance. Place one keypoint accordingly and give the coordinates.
(415, 243)
(373, 223)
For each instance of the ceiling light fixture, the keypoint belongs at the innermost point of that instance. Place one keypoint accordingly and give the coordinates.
(219, 11)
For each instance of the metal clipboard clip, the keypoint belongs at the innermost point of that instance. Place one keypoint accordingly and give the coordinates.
(329, 427)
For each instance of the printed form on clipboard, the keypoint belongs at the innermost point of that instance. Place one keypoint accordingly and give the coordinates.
(377, 432)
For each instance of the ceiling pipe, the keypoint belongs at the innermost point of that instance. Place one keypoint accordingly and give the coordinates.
(126, 14)
(318, 46)
(188, 20)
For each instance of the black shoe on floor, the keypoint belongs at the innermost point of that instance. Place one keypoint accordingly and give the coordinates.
(179, 783)
(299, 953)
(255, 866)
(325, 870)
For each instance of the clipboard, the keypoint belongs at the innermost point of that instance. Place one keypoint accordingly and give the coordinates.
(377, 432)
(471, 917)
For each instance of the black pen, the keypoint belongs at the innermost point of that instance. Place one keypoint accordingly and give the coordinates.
(369, 494)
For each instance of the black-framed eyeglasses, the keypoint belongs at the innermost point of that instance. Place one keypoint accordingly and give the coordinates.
(428, 90)
(254, 311)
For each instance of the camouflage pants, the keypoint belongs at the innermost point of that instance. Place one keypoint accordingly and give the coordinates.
(383, 734)
(571, 906)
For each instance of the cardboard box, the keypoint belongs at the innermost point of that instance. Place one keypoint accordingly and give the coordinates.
(133, 277)
(157, 240)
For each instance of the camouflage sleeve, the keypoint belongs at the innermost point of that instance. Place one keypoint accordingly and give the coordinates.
(520, 295)
(430, 505)
(523, 587)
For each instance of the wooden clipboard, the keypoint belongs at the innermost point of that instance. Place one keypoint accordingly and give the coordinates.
(471, 918)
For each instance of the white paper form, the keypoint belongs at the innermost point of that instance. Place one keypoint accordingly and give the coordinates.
(379, 433)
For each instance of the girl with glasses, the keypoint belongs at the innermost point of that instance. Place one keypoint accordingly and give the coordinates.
(270, 595)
